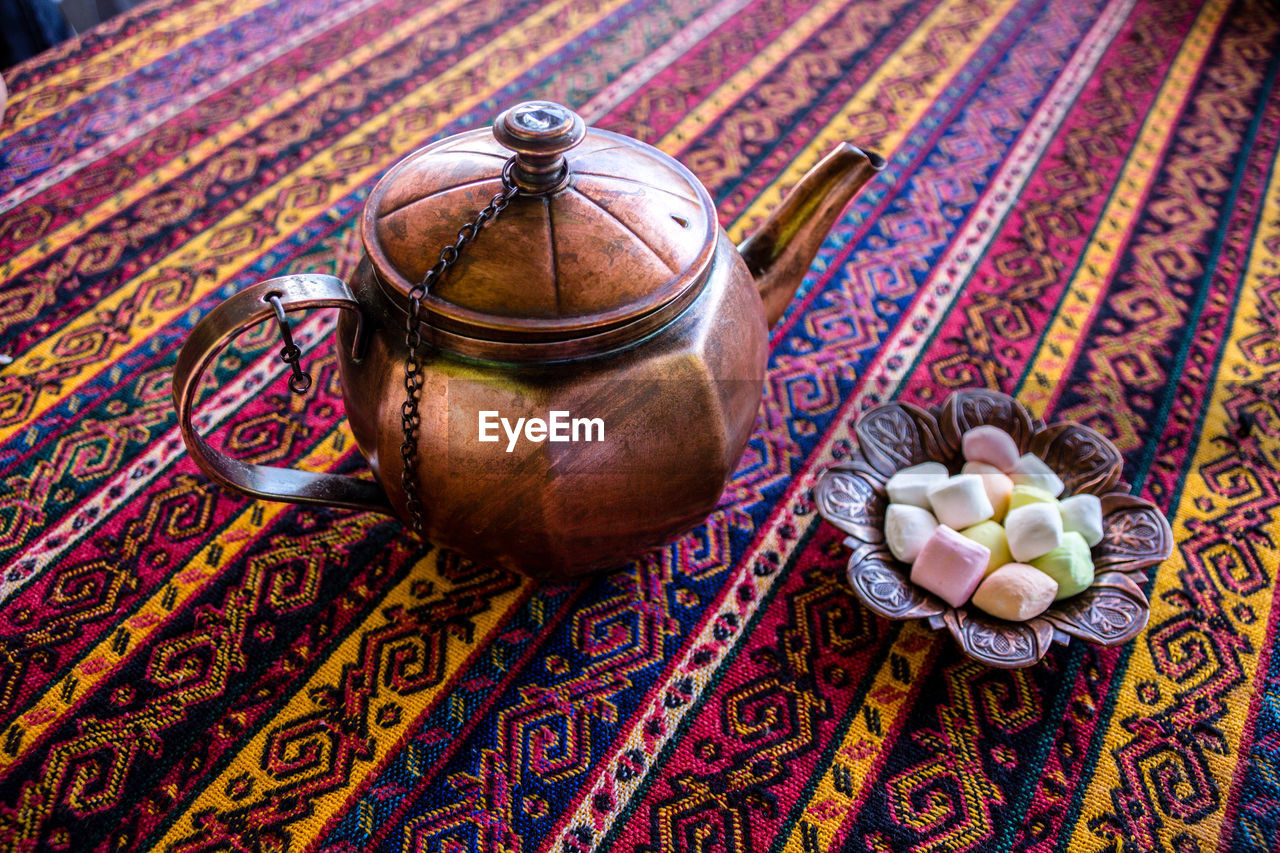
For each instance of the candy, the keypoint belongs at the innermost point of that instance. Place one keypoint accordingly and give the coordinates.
(1005, 508)
(911, 485)
(950, 566)
(1033, 530)
(1083, 514)
(991, 445)
(907, 528)
(1023, 495)
(996, 483)
(1069, 564)
(990, 535)
(960, 501)
(1030, 470)
(1016, 592)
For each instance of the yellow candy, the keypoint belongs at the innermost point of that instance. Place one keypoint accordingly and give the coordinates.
(990, 534)
(1023, 495)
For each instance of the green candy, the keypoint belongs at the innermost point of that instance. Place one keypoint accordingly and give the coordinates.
(990, 534)
(1069, 564)
(1023, 495)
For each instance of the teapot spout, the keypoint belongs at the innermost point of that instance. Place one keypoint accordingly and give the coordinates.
(781, 250)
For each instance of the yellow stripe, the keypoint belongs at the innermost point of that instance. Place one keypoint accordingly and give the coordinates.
(861, 745)
(740, 83)
(1059, 345)
(892, 130)
(309, 190)
(100, 661)
(103, 660)
(385, 736)
(863, 120)
(163, 38)
(98, 664)
(208, 147)
(1201, 505)
(248, 765)
(249, 762)
(829, 806)
(860, 748)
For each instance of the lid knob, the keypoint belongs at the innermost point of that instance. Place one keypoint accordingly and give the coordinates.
(540, 132)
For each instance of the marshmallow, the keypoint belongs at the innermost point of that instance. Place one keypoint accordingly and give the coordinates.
(1033, 530)
(990, 535)
(1030, 470)
(950, 566)
(1083, 514)
(1016, 592)
(907, 528)
(996, 483)
(960, 501)
(911, 485)
(1023, 495)
(1069, 564)
(991, 445)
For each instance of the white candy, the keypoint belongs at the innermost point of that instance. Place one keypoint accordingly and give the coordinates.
(907, 528)
(911, 485)
(960, 501)
(1083, 514)
(998, 485)
(1031, 471)
(1033, 530)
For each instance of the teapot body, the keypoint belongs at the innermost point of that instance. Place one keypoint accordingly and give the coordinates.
(588, 347)
(635, 445)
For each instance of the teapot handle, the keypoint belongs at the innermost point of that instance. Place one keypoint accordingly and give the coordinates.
(209, 337)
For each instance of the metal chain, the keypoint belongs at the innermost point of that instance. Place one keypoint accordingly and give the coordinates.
(290, 354)
(410, 419)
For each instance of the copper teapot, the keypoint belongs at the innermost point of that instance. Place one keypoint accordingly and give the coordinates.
(551, 354)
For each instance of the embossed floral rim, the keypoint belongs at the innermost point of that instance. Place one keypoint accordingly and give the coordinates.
(1137, 536)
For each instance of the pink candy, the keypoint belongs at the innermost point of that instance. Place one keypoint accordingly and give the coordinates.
(991, 445)
(950, 565)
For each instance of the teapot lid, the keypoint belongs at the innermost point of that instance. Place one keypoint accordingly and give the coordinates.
(606, 231)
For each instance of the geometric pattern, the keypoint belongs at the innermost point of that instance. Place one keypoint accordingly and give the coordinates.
(1078, 209)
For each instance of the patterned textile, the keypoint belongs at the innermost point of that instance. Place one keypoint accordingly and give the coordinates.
(1081, 207)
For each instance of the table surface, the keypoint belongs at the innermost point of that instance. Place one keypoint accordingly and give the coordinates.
(1080, 208)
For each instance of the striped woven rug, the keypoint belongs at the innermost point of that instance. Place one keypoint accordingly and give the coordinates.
(1080, 207)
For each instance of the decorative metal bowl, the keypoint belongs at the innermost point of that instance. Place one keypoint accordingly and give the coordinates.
(1137, 536)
